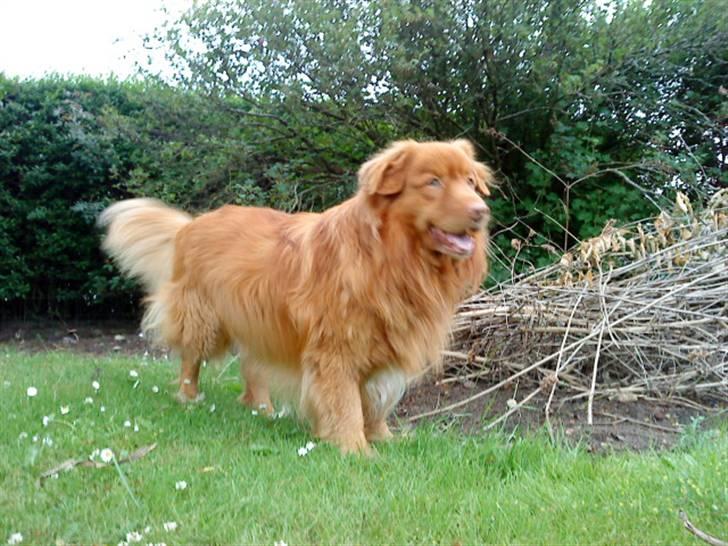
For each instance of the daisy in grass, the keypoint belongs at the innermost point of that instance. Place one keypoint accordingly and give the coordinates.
(106, 455)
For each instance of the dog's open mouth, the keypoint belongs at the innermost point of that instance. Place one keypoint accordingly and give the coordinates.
(457, 245)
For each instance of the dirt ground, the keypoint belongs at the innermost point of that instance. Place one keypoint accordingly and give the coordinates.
(635, 425)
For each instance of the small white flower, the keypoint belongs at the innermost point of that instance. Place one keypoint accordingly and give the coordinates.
(47, 419)
(180, 485)
(155, 389)
(15, 538)
(96, 385)
(212, 408)
(47, 441)
(127, 424)
(279, 543)
(65, 410)
(31, 392)
(54, 476)
(136, 427)
(310, 446)
(147, 529)
(22, 436)
(302, 451)
(134, 536)
(106, 455)
(35, 438)
(133, 373)
(102, 409)
(511, 403)
(6, 383)
(254, 412)
(170, 526)
(88, 400)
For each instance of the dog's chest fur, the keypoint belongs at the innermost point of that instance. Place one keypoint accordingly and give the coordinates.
(382, 303)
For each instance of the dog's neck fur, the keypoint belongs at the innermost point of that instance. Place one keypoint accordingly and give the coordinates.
(390, 273)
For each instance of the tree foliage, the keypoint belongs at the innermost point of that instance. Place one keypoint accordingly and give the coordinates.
(588, 110)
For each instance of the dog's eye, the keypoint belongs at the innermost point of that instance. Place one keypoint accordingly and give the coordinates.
(435, 183)
(471, 181)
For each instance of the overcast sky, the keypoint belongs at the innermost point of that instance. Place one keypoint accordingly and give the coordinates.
(95, 37)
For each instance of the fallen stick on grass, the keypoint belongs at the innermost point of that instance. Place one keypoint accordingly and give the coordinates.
(702, 535)
(70, 464)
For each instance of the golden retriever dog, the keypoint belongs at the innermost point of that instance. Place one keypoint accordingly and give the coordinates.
(347, 305)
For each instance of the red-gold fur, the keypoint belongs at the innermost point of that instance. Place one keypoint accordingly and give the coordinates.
(347, 304)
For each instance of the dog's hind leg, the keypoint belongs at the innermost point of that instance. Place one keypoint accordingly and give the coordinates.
(196, 333)
(257, 393)
(189, 378)
(380, 394)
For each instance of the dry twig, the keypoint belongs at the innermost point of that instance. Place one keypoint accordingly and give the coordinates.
(70, 464)
(702, 535)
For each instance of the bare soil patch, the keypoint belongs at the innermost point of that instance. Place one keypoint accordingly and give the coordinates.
(635, 425)
(84, 337)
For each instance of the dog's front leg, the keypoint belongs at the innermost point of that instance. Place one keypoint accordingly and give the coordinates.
(331, 399)
(380, 393)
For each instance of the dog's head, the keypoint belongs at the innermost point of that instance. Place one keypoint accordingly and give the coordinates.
(434, 187)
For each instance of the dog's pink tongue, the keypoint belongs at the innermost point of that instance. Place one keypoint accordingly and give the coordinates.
(462, 243)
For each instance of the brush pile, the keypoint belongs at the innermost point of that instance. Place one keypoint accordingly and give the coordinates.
(639, 311)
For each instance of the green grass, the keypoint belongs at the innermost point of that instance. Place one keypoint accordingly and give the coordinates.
(248, 485)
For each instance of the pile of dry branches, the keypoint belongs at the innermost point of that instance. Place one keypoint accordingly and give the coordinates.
(639, 311)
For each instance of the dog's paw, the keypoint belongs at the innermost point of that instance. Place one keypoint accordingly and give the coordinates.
(264, 408)
(379, 432)
(183, 398)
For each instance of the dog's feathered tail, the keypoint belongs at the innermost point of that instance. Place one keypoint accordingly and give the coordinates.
(140, 238)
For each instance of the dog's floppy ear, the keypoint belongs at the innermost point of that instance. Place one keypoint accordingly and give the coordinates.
(384, 174)
(482, 174)
(483, 177)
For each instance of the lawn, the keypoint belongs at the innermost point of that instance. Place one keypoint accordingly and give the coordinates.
(247, 484)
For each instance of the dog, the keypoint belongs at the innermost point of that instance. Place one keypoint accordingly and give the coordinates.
(347, 306)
